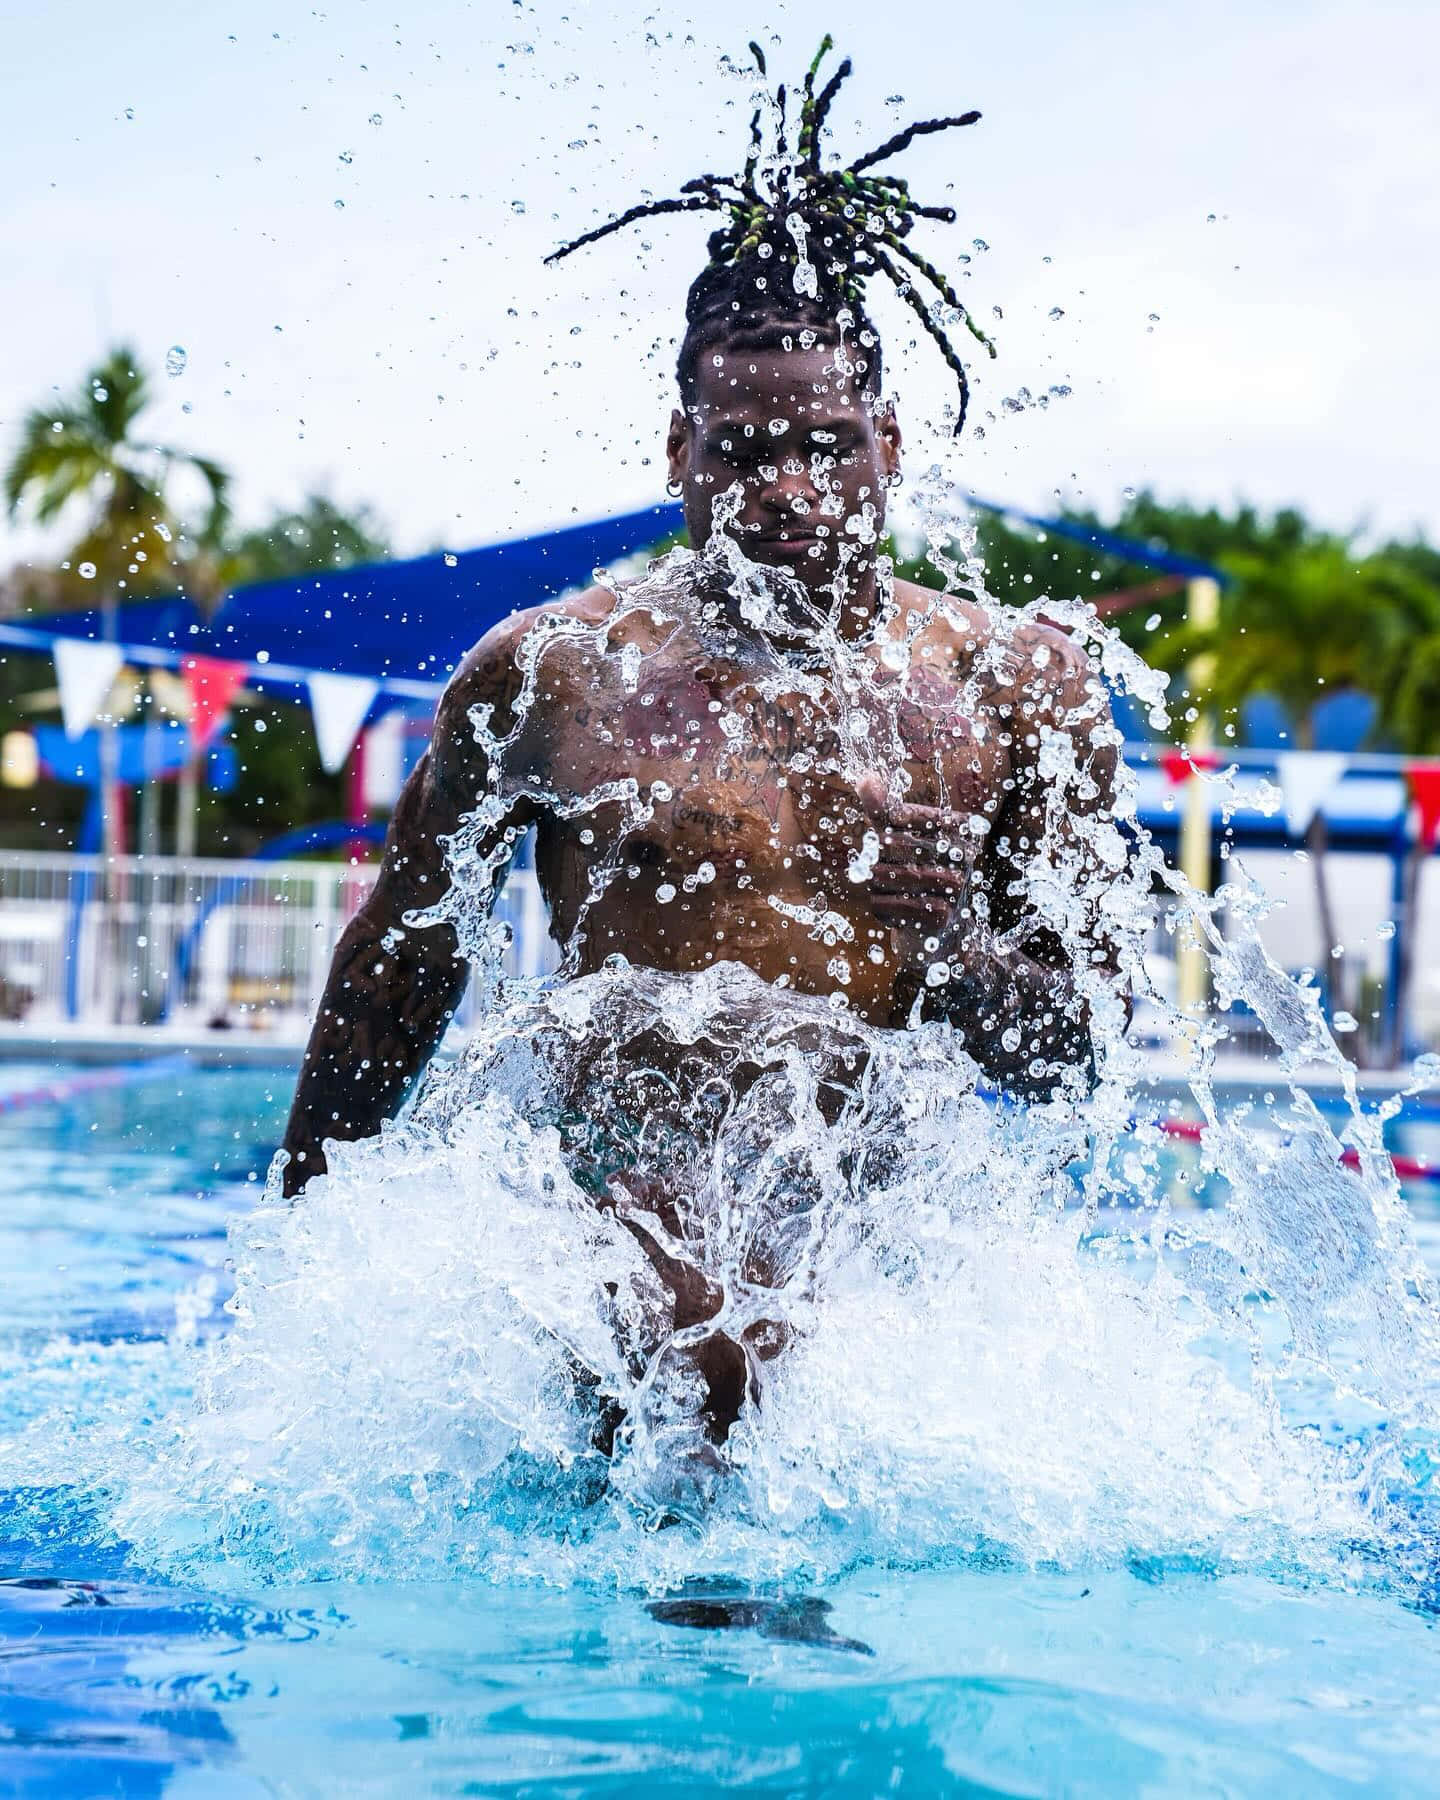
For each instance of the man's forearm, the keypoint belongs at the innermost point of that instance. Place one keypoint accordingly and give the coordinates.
(381, 1017)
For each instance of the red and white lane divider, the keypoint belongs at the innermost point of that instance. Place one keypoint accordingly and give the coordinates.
(1408, 1168)
(90, 1081)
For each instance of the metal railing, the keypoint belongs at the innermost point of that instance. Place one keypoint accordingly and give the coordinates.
(155, 940)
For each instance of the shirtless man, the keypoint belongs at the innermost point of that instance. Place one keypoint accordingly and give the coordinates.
(781, 413)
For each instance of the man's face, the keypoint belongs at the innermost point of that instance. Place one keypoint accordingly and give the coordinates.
(808, 448)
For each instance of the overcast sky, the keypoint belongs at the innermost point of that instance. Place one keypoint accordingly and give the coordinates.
(176, 176)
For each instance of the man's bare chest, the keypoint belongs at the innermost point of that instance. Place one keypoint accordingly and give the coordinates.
(709, 767)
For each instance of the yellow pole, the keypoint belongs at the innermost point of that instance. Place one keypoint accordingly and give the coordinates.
(1202, 614)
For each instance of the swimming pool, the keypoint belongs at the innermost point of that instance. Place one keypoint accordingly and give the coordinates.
(957, 1673)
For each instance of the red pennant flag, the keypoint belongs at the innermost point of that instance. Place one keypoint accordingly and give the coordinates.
(1180, 765)
(212, 685)
(1424, 783)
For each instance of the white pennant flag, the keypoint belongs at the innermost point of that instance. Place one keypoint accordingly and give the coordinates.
(84, 673)
(339, 704)
(1306, 779)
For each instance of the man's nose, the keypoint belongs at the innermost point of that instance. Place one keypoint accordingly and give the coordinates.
(781, 490)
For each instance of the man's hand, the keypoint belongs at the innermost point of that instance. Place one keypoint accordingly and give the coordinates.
(924, 864)
(1009, 1008)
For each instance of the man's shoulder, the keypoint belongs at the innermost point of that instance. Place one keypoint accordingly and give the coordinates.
(963, 624)
(1036, 661)
(490, 669)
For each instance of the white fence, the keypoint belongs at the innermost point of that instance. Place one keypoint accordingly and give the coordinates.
(150, 940)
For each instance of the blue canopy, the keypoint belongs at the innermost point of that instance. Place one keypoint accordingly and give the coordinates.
(410, 620)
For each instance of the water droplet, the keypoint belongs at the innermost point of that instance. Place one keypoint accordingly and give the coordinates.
(1057, 312)
(980, 244)
(175, 360)
(517, 206)
(665, 893)
(1152, 621)
(347, 156)
(1209, 218)
(129, 112)
(937, 974)
(778, 427)
(451, 559)
(1010, 1039)
(1425, 1071)
(1385, 929)
(1344, 1021)
(99, 392)
(377, 119)
(86, 571)
(339, 206)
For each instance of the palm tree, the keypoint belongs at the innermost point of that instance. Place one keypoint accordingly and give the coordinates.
(84, 453)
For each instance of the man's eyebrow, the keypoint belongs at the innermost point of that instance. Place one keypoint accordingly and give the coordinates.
(797, 425)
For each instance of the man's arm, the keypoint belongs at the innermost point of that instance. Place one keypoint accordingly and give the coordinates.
(1014, 978)
(1008, 983)
(393, 989)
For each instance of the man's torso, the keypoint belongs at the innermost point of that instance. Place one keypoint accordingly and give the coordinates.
(749, 842)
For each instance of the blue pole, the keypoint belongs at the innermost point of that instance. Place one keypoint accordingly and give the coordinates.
(91, 831)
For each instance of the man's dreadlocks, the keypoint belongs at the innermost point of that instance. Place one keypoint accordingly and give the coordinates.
(829, 229)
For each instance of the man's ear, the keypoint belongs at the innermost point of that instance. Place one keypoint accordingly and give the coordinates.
(887, 436)
(677, 445)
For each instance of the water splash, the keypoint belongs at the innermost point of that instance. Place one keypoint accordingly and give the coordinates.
(487, 1338)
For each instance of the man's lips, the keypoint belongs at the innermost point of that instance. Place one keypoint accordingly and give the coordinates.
(789, 541)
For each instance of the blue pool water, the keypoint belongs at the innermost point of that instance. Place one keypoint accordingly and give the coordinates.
(959, 1673)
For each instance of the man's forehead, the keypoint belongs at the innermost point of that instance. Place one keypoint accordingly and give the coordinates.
(817, 413)
(796, 404)
(811, 384)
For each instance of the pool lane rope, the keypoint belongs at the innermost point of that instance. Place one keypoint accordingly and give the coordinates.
(1407, 1168)
(117, 1075)
(55, 1093)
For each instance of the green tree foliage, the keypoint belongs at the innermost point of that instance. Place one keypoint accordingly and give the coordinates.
(83, 458)
(319, 534)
